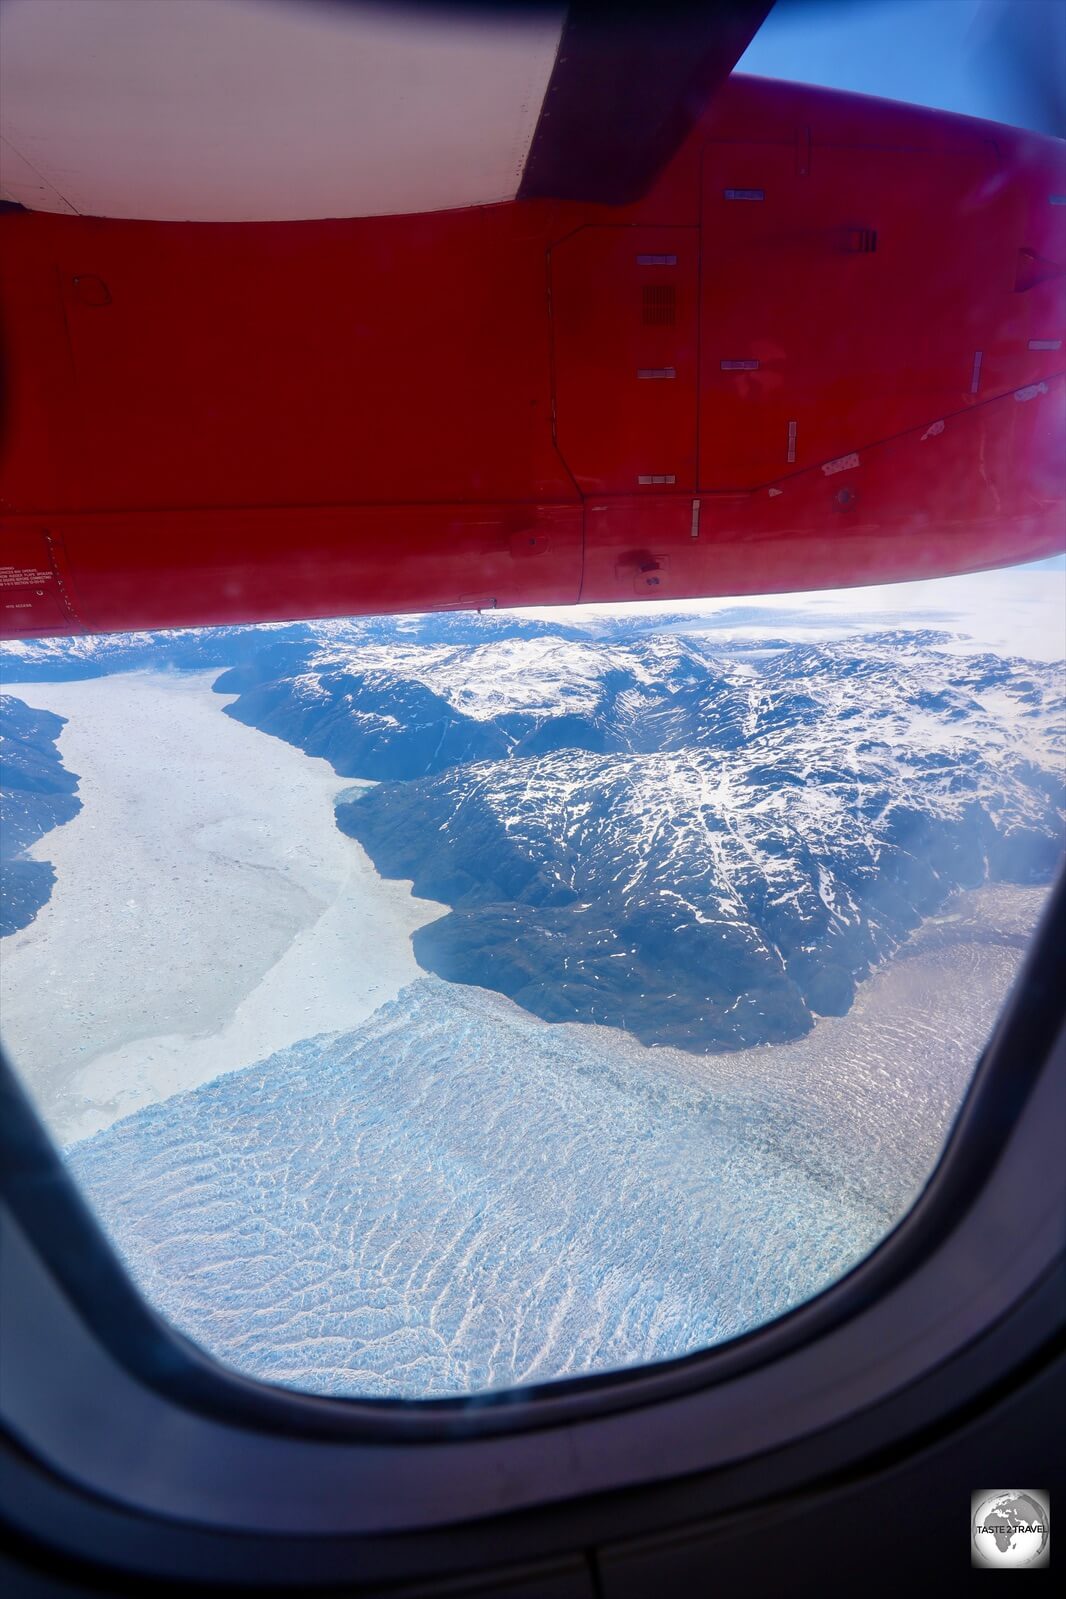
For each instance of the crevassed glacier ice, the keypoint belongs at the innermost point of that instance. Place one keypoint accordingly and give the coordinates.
(456, 1196)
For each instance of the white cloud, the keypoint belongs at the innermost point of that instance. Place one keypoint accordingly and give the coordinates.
(1019, 611)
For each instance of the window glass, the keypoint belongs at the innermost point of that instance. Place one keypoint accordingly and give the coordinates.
(435, 1004)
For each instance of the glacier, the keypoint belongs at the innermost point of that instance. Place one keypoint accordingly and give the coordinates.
(456, 1196)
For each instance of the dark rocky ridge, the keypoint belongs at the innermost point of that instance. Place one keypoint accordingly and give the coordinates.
(36, 794)
(373, 725)
(401, 711)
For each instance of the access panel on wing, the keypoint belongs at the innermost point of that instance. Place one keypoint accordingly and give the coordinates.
(845, 292)
(624, 340)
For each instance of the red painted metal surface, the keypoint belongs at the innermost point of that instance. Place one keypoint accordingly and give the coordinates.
(625, 335)
(826, 349)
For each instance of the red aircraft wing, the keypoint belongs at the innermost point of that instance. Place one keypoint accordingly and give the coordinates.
(824, 347)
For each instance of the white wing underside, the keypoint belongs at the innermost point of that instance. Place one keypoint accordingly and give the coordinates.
(241, 111)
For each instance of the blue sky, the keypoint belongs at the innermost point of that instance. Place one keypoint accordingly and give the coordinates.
(944, 53)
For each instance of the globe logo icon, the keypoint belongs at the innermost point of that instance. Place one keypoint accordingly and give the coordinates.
(1010, 1529)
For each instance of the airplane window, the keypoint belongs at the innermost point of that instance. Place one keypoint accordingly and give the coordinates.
(437, 1004)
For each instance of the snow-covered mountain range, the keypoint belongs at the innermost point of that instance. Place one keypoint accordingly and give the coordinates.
(200, 648)
(706, 846)
(705, 850)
